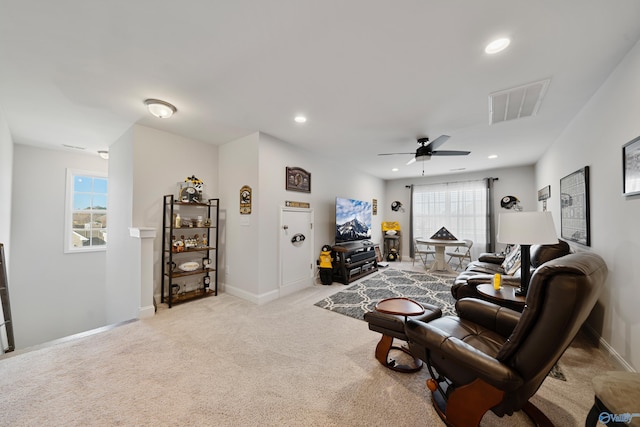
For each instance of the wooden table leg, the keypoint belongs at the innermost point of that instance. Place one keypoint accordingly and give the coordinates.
(385, 345)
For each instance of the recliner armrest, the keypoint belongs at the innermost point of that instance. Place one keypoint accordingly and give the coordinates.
(493, 258)
(479, 279)
(487, 368)
(501, 320)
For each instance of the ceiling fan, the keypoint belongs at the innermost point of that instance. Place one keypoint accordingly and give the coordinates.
(428, 149)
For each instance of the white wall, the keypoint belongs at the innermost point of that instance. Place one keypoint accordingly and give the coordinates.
(594, 139)
(121, 295)
(6, 169)
(161, 160)
(259, 241)
(6, 178)
(53, 294)
(146, 164)
(239, 261)
(516, 181)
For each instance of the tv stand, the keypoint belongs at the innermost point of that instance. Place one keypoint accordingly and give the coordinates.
(354, 260)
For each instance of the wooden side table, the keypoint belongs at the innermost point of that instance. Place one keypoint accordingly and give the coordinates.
(389, 318)
(505, 293)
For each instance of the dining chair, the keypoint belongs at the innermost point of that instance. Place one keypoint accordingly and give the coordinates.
(461, 253)
(422, 251)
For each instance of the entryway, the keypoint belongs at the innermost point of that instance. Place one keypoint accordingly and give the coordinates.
(296, 249)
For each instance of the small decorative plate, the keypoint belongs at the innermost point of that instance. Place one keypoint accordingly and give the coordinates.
(189, 266)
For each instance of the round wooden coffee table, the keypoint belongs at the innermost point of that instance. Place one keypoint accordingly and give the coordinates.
(505, 293)
(399, 306)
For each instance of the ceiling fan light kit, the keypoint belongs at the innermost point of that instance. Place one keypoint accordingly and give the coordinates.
(428, 149)
(160, 109)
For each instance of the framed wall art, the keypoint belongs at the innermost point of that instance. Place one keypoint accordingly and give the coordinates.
(543, 195)
(631, 167)
(298, 179)
(245, 200)
(574, 207)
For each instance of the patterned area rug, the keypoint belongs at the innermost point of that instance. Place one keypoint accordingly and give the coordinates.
(360, 298)
(435, 289)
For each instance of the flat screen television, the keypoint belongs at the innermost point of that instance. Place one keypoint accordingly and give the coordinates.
(353, 220)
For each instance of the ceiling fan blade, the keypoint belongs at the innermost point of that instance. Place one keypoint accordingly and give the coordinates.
(437, 142)
(449, 153)
(392, 154)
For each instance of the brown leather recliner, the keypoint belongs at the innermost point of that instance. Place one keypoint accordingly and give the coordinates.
(483, 270)
(490, 357)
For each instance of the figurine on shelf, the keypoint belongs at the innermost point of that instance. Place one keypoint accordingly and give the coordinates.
(192, 192)
(177, 245)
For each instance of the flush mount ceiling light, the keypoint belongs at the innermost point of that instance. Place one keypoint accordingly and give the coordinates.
(104, 154)
(300, 119)
(160, 109)
(493, 156)
(497, 46)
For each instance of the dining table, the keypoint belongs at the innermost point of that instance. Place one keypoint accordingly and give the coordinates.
(439, 245)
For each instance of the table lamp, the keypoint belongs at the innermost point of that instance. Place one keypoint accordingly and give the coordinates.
(526, 229)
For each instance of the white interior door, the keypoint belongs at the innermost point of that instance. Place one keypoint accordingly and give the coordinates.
(296, 249)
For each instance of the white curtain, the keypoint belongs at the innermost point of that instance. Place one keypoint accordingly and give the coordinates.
(461, 207)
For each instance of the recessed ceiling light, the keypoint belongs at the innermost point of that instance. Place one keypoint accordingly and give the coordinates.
(160, 109)
(394, 170)
(493, 156)
(300, 119)
(497, 46)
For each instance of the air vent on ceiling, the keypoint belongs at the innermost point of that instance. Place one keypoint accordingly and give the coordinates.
(517, 102)
(75, 147)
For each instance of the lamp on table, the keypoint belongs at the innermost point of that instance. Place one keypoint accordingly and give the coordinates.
(526, 229)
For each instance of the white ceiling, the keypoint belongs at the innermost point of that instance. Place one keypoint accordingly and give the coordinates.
(370, 75)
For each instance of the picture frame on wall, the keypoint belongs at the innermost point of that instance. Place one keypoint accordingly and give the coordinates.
(574, 207)
(298, 179)
(631, 167)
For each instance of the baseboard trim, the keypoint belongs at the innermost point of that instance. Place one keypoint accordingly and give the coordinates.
(614, 356)
(145, 312)
(248, 296)
(62, 340)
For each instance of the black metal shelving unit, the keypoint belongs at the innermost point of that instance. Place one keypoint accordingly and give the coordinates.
(173, 256)
(6, 321)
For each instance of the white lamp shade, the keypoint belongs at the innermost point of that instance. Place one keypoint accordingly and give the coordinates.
(527, 228)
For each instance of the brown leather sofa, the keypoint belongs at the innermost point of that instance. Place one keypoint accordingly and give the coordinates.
(490, 357)
(487, 265)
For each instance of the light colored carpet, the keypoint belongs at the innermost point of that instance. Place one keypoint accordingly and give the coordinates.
(222, 361)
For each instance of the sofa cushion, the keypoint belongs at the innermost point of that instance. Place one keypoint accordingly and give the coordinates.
(482, 271)
(543, 253)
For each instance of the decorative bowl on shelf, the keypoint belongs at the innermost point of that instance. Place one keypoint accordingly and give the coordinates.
(189, 266)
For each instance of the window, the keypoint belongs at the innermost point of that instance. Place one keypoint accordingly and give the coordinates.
(86, 211)
(461, 207)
